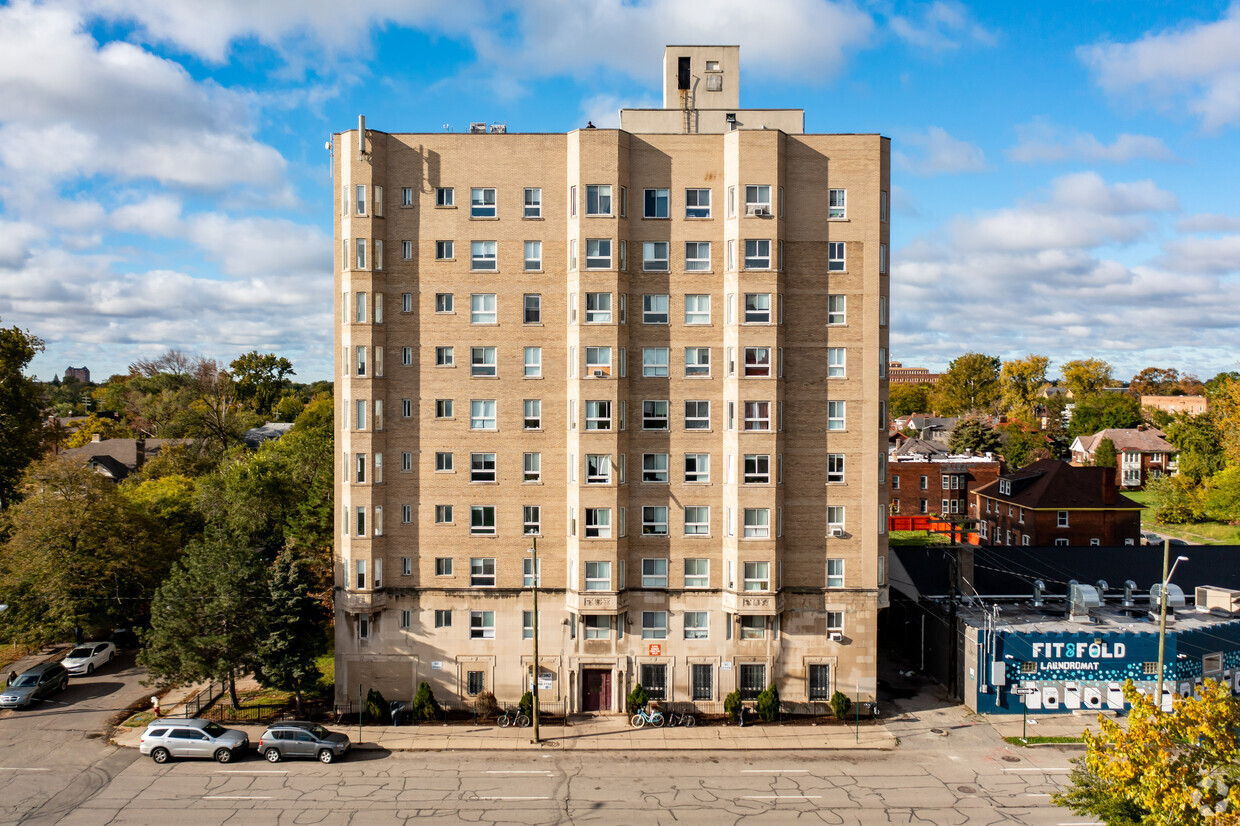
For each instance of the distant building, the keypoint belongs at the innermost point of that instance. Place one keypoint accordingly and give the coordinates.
(1054, 503)
(81, 374)
(255, 436)
(930, 428)
(1143, 454)
(897, 373)
(935, 481)
(1193, 405)
(118, 458)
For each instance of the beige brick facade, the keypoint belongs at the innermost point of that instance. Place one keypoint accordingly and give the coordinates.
(662, 580)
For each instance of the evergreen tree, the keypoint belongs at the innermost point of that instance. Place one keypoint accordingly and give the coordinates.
(295, 630)
(975, 435)
(1105, 454)
(21, 426)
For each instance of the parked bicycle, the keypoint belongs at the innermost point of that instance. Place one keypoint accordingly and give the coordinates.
(645, 715)
(675, 719)
(513, 718)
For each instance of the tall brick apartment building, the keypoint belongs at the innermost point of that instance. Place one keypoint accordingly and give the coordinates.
(659, 351)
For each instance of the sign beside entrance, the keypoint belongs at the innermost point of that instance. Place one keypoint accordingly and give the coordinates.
(544, 681)
(656, 650)
(726, 665)
(437, 665)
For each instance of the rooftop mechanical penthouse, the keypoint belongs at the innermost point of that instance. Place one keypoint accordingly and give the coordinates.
(658, 350)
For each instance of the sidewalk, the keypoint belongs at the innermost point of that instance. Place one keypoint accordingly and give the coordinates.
(46, 654)
(593, 733)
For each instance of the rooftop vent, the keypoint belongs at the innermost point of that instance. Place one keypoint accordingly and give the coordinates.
(477, 128)
(1081, 598)
(1175, 599)
(499, 128)
(1224, 601)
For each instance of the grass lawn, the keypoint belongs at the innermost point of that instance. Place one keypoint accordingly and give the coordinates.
(1205, 533)
(1037, 741)
(916, 538)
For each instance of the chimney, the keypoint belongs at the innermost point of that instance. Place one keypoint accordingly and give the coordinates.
(140, 449)
(94, 438)
(1109, 485)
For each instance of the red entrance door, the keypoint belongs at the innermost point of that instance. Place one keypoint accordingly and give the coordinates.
(595, 689)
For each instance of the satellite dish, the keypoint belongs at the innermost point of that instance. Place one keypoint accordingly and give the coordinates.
(327, 146)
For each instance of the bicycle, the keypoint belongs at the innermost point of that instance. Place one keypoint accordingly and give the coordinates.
(513, 718)
(644, 716)
(674, 719)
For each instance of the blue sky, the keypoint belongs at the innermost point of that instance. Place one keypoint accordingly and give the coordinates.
(1064, 174)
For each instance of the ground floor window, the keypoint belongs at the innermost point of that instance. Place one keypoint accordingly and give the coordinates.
(753, 681)
(820, 681)
(475, 682)
(703, 682)
(654, 680)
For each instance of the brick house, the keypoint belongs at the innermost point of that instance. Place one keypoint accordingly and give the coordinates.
(934, 482)
(1143, 454)
(1054, 503)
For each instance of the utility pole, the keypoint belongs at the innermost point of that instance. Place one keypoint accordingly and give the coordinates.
(534, 552)
(1162, 615)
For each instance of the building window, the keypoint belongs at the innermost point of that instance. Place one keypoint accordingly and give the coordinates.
(443, 408)
(757, 200)
(655, 256)
(757, 523)
(655, 362)
(482, 255)
(835, 362)
(882, 259)
(835, 573)
(482, 362)
(443, 250)
(443, 514)
(697, 203)
(482, 467)
(597, 627)
(443, 303)
(482, 414)
(697, 520)
(406, 252)
(697, 362)
(443, 619)
(654, 467)
(654, 520)
(757, 254)
(533, 203)
(406, 461)
(532, 304)
(835, 519)
(406, 196)
(533, 256)
(444, 196)
(654, 679)
(598, 469)
(697, 467)
(656, 204)
(482, 625)
(598, 576)
(835, 468)
(835, 415)
(697, 573)
(598, 523)
(758, 416)
(481, 203)
(532, 368)
(482, 308)
(532, 467)
(757, 361)
(697, 309)
(1061, 519)
(697, 415)
(697, 256)
(531, 412)
(654, 573)
(598, 253)
(835, 256)
(697, 625)
(481, 572)
(598, 199)
(443, 462)
(443, 356)
(819, 682)
(835, 309)
(752, 628)
(482, 521)
(702, 679)
(598, 308)
(836, 203)
(655, 309)
(757, 576)
(654, 626)
(757, 469)
(598, 415)
(757, 308)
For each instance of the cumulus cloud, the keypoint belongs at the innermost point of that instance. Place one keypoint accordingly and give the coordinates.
(1043, 142)
(1197, 66)
(1209, 223)
(940, 27)
(1203, 255)
(940, 153)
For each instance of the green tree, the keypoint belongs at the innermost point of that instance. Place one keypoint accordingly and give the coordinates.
(906, 399)
(975, 435)
(1222, 498)
(1020, 381)
(1198, 439)
(1057, 441)
(1086, 377)
(1105, 410)
(295, 632)
(208, 615)
(768, 704)
(1155, 381)
(1166, 768)
(1176, 500)
(1105, 454)
(1023, 444)
(260, 379)
(78, 555)
(170, 499)
(970, 383)
(21, 425)
(92, 426)
(1225, 407)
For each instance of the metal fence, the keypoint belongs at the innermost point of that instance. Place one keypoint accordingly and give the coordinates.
(204, 698)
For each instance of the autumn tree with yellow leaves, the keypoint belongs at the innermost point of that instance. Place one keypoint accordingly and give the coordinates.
(1178, 768)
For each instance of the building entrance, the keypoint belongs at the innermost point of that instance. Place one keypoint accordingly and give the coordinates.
(596, 689)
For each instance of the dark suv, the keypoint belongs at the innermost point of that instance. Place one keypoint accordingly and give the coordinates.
(296, 739)
(35, 684)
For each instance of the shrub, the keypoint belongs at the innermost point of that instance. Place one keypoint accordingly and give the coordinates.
(376, 707)
(637, 699)
(485, 705)
(425, 708)
(732, 706)
(840, 704)
(768, 704)
(526, 705)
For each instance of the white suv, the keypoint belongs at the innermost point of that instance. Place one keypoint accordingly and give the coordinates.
(192, 737)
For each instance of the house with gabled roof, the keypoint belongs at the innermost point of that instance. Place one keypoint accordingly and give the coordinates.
(1142, 454)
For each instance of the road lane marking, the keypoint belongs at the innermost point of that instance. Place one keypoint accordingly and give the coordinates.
(782, 797)
(774, 771)
(1044, 771)
(13, 769)
(251, 771)
(505, 797)
(515, 771)
(1037, 794)
(231, 797)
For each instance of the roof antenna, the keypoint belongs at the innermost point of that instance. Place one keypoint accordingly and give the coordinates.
(331, 157)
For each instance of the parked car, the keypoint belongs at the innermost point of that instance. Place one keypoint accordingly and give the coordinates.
(298, 739)
(124, 638)
(192, 737)
(35, 684)
(1150, 538)
(88, 656)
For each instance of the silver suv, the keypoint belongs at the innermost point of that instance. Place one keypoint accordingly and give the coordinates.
(295, 739)
(192, 737)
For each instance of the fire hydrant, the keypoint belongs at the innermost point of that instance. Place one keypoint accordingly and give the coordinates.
(155, 705)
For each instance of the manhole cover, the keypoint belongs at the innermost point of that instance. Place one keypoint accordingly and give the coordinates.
(1011, 758)
(94, 735)
(966, 789)
(940, 732)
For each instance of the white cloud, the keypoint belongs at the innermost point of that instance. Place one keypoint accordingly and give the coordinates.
(1197, 66)
(1043, 142)
(1209, 223)
(156, 215)
(604, 110)
(16, 239)
(940, 153)
(940, 27)
(1217, 256)
(1087, 190)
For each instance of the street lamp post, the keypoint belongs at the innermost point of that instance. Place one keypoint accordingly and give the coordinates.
(1162, 615)
(534, 552)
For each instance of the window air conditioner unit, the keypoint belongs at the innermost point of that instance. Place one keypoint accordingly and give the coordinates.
(835, 636)
(757, 209)
(600, 374)
(837, 531)
(477, 128)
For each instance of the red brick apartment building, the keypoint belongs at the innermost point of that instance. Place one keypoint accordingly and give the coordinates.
(941, 485)
(1143, 454)
(1053, 503)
